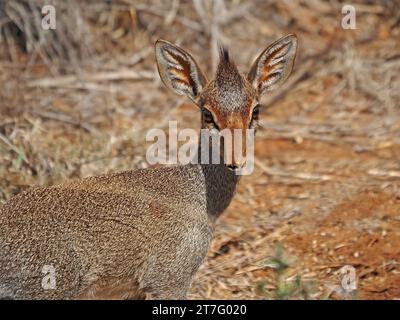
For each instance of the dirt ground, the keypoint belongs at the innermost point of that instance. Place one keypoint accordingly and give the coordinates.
(321, 225)
(325, 192)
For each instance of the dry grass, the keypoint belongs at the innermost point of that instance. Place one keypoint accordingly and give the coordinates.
(78, 102)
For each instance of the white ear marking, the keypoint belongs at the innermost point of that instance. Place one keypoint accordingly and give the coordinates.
(178, 70)
(274, 64)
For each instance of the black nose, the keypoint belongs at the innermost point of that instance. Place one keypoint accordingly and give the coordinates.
(232, 166)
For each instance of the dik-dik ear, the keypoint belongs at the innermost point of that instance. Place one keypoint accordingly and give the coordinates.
(274, 64)
(178, 70)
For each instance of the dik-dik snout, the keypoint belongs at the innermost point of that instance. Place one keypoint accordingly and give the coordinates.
(231, 102)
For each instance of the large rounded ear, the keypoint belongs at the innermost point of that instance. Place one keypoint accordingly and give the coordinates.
(178, 70)
(274, 64)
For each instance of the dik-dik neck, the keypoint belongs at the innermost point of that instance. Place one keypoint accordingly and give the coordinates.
(220, 184)
(220, 187)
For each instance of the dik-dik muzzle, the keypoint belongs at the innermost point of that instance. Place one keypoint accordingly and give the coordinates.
(230, 102)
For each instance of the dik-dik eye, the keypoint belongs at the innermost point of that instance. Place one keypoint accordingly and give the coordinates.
(256, 112)
(208, 118)
(254, 117)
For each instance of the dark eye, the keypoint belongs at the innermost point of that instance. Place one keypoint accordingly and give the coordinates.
(256, 112)
(208, 118)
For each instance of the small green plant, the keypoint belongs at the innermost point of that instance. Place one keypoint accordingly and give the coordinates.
(279, 261)
(20, 159)
(285, 288)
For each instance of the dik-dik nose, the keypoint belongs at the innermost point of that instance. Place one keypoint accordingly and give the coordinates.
(235, 148)
(236, 165)
(233, 167)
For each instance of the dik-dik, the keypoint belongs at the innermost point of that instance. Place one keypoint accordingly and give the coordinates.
(140, 233)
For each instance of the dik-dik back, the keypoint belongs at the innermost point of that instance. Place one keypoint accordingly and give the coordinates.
(107, 232)
(140, 233)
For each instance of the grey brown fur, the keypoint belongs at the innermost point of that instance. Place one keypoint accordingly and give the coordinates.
(129, 235)
(100, 231)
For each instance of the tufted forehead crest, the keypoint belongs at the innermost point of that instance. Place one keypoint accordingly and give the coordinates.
(229, 82)
(227, 75)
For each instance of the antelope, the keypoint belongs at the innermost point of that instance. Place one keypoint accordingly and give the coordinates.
(141, 233)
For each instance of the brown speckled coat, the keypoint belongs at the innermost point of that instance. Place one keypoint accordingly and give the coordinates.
(110, 236)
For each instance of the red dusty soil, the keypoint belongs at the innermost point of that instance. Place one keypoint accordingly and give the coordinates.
(351, 218)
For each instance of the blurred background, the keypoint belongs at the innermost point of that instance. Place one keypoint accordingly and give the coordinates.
(78, 100)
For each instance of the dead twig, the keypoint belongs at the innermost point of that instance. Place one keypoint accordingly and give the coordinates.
(14, 148)
(298, 175)
(66, 119)
(384, 173)
(93, 77)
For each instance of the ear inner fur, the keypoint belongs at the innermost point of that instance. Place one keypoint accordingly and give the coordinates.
(178, 70)
(274, 64)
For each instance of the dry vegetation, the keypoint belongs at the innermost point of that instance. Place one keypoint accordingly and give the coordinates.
(78, 100)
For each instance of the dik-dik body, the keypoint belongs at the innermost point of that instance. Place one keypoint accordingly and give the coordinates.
(140, 233)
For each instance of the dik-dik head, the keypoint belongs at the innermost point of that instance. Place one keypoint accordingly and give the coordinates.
(231, 100)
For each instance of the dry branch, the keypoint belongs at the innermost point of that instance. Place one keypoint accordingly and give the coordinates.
(65, 81)
(298, 175)
(384, 173)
